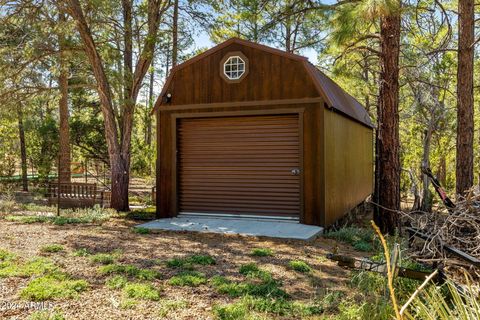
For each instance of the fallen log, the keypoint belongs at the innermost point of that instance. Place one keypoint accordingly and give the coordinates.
(381, 267)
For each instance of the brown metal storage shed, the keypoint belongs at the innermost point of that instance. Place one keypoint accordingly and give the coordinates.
(245, 129)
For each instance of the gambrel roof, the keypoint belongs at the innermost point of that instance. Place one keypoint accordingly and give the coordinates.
(335, 97)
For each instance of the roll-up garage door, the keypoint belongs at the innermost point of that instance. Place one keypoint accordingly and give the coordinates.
(239, 165)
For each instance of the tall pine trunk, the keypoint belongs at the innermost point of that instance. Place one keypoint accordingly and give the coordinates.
(175, 35)
(64, 173)
(119, 167)
(148, 118)
(119, 143)
(464, 164)
(387, 170)
(426, 194)
(23, 149)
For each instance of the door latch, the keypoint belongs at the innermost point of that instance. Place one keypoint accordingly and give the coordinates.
(295, 172)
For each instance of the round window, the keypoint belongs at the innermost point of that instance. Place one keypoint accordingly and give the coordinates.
(234, 68)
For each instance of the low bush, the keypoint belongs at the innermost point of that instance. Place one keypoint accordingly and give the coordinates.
(82, 252)
(52, 248)
(188, 262)
(250, 307)
(253, 271)
(188, 278)
(130, 271)
(169, 306)
(299, 266)
(360, 238)
(141, 230)
(70, 216)
(141, 291)
(116, 282)
(46, 315)
(105, 258)
(34, 267)
(262, 252)
(236, 289)
(53, 287)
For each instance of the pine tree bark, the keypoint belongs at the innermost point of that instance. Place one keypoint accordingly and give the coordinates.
(119, 145)
(426, 194)
(465, 126)
(148, 118)
(442, 170)
(387, 175)
(175, 34)
(64, 172)
(23, 149)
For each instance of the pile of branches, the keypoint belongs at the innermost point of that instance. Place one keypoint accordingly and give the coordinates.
(457, 227)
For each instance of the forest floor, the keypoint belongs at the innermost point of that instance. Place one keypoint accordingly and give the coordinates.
(111, 270)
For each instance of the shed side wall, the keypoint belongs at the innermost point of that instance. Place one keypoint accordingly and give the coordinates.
(348, 165)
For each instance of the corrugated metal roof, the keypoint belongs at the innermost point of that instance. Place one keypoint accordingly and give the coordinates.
(339, 99)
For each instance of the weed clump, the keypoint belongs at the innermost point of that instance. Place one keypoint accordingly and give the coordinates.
(53, 287)
(360, 238)
(188, 278)
(262, 252)
(300, 266)
(141, 291)
(130, 271)
(52, 248)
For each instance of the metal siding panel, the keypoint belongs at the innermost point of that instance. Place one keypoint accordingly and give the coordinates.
(239, 165)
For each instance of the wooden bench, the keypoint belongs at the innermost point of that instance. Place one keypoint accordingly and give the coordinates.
(74, 195)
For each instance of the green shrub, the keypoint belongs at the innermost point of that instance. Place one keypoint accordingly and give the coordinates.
(236, 289)
(53, 287)
(82, 252)
(116, 282)
(131, 271)
(28, 219)
(299, 266)
(176, 263)
(360, 238)
(141, 291)
(128, 303)
(141, 230)
(203, 260)
(248, 268)
(6, 255)
(188, 278)
(37, 208)
(252, 270)
(46, 315)
(374, 284)
(142, 214)
(52, 248)
(167, 306)
(103, 258)
(362, 246)
(33, 267)
(187, 263)
(233, 311)
(248, 306)
(71, 216)
(262, 252)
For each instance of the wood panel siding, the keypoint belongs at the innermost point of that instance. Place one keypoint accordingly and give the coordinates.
(310, 148)
(239, 165)
(270, 77)
(348, 165)
(334, 149)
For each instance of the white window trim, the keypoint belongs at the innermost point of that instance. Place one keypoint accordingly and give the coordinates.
(240, 62)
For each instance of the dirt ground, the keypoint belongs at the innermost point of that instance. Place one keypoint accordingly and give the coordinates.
(151, 251)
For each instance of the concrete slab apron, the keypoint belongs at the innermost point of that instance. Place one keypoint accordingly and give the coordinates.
(242, 226)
